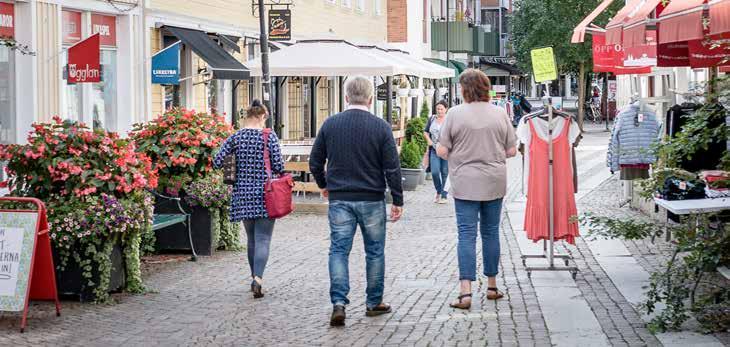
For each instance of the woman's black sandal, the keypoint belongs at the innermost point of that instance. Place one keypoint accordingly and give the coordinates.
(460, 304)
(497, 294)
(257, 290)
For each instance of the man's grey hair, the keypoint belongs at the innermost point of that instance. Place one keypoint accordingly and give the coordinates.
(359, 90)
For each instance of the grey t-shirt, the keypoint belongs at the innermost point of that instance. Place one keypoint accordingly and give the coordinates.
(477, 135)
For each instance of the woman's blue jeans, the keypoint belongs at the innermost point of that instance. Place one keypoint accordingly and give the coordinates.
(258, 232)
(439, 172)
(485, 214)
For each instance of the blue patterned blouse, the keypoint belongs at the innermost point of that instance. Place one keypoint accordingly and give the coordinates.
(248, 191)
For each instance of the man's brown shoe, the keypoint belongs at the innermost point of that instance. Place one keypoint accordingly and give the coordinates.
(338, 316)
(382, 308)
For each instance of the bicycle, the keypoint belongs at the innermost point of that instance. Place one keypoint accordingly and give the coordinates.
(593, 112)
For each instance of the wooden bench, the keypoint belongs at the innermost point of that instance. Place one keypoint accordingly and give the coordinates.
(164, 220)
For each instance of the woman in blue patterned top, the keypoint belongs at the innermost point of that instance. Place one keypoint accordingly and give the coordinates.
(247, 202)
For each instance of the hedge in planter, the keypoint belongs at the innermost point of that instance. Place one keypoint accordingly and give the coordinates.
(94, 185)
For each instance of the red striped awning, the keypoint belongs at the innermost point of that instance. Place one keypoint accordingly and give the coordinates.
(579, 32)
(635, 27)
(614, 28)
(681, 20)
(719, 17)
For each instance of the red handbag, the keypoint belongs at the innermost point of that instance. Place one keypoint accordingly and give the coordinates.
(277, 190)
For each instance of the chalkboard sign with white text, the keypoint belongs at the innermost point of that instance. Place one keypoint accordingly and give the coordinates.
(17, 242)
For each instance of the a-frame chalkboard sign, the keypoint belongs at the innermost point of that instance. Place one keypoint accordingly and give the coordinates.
(26, 262)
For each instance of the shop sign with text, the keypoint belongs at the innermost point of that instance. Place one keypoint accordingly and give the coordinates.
(279, 25)
(84, 64)
(7, 20)
(166, 65)
(106, 27)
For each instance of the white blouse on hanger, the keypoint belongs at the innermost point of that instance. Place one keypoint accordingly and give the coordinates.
(524, 134)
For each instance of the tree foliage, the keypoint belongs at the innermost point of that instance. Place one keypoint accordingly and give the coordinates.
(541, 23)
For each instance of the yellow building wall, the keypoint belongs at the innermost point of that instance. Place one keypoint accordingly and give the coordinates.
(48, 61)
(310, 18)
(158, 91)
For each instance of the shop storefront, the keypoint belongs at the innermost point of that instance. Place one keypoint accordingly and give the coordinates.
(7, 75)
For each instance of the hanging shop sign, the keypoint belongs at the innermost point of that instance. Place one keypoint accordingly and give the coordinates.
(84, 64)
(674, 54)
(642, 55)
(609, 57)
(7, 20)
(106, 27)
(279, 25)
(543, 64)
(26, 262)
(382, 92)
(71, 25)
(166, 65)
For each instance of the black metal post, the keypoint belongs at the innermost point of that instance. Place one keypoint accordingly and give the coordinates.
(448, 56)
(313, 106)
(341, 94)
(265, 78)
(234, 104)
(389, 99)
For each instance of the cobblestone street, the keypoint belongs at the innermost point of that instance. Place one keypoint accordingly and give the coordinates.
(209, 303)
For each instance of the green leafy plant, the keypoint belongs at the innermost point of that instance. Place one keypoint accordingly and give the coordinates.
(409, 157)
(210, 192)
(414, 133)
(685, 285)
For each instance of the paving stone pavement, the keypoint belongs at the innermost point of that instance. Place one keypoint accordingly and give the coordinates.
(208, 302)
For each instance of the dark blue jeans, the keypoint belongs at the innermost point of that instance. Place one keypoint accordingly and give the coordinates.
(258, 233)
(439, 172)
(485, 214)
(344, 217)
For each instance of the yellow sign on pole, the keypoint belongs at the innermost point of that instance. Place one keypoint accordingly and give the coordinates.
(543, 64)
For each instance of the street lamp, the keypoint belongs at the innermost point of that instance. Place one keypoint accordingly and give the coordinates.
(265, 78)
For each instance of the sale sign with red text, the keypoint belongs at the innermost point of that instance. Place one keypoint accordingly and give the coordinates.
(106, 27)
(7, 20)
(84, 65)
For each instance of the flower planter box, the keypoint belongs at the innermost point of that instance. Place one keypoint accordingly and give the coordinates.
(403, 92)
(411, 178)
(70, 280)
(429, 92)
(175, 237)
(414, 92)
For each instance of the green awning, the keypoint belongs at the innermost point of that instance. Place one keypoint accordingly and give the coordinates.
(458, 66)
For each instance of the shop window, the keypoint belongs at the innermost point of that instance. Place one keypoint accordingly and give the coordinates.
(7, 95)
(72, 94)
(103, 95)
(378, 6)
(361, 5)
(347, 3)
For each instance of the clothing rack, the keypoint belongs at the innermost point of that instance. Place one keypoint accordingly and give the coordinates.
(549, 245)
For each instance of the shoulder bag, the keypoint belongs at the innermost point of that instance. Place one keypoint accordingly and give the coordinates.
(277, 190)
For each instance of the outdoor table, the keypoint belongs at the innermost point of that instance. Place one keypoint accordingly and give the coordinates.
(692, 207)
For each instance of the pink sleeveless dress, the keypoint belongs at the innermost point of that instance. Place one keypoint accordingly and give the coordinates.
(536, 216)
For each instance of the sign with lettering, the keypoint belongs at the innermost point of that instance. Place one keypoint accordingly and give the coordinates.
(166, 65)
(543, 64)
(84, 65)
(106, 27)
(279, 25)
(17, 242)
(7, 20)
(71, 25)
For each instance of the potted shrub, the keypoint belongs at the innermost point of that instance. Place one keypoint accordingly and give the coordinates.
(181, 144)
(403, 87)
(410, 162)
(93, 184)
(414, 133)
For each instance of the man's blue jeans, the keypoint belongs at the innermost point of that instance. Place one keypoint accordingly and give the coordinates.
(486, 214)
(344, 217)
(439, 172)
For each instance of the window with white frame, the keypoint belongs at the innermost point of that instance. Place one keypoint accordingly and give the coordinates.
(378, 7)
(347, 3)
(96, 102)
(361, 5)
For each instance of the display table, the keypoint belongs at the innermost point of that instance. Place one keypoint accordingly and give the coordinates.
(694, 206)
